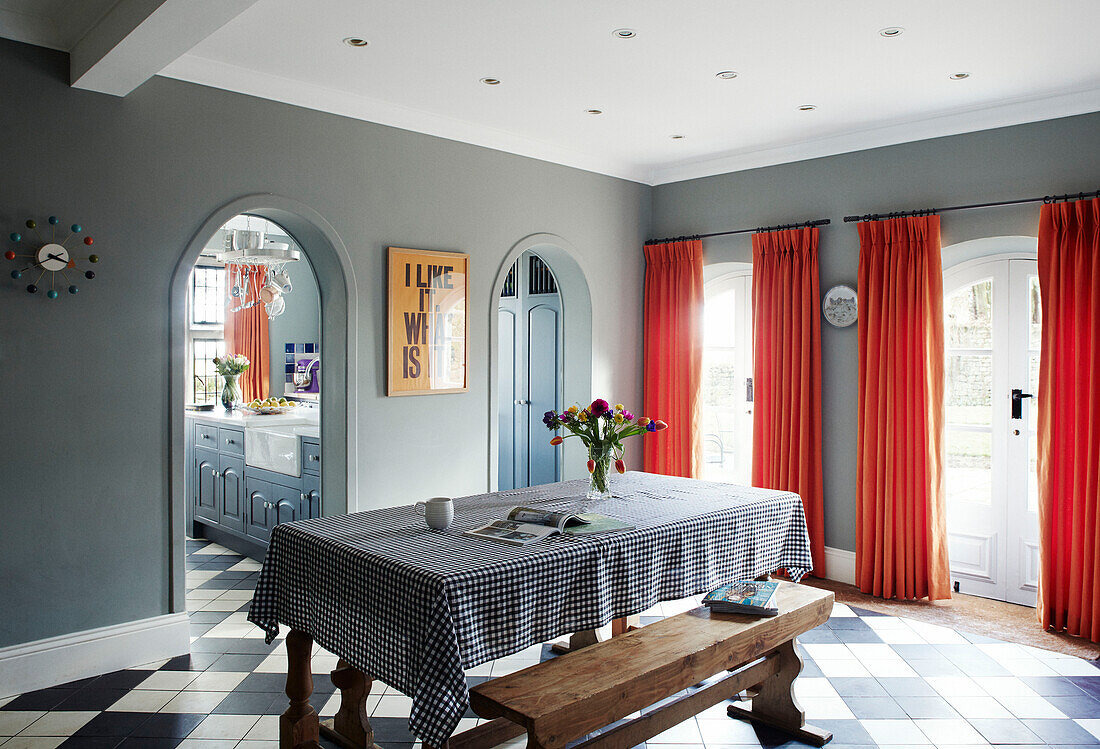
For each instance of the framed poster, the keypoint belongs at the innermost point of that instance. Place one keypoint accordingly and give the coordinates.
(427, 322)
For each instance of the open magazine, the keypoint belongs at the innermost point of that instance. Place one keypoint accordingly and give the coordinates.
(525, 525)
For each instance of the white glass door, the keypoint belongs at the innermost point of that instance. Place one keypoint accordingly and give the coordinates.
(726, 403)
(991, 315)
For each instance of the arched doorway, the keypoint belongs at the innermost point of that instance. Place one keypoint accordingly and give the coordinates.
(558, 259)
(991, 325)
(336, 284)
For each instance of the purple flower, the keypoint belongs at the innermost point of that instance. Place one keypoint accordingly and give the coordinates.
(599, 407)
(651, 426)
(549, 418)
(566, 417)
(628, 416)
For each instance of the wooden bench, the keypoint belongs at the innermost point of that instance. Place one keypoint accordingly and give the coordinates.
(563, 699)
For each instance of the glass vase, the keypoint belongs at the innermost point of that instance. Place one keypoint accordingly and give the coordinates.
(231, 392)
(599, 485)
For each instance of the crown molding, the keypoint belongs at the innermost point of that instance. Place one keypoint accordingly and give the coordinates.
(216, 74)
(1002, 114)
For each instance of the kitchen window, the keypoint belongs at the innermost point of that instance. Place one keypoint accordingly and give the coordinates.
(205, 331)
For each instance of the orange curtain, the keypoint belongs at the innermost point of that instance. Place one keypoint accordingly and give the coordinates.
(786, 428)
(246, 333)
(1069, 418)
(673, 355)
(901, 535)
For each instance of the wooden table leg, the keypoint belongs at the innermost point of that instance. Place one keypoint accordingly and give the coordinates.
(351, 727)
(298, 725)
(587, 637)
(774, 703)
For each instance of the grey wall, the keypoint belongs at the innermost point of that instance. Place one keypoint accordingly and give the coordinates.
(299, 323)
(84, 478)
(1037, 159)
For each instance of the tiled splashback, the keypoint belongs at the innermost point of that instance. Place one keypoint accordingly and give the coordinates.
(294, 352)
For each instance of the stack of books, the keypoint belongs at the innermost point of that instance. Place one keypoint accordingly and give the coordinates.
(744, 597)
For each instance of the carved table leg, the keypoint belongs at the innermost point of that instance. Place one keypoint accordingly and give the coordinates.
(298, 725)
(351, 727)
(774, 703)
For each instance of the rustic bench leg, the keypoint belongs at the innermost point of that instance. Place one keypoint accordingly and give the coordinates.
(298, 725)
(351, 727)
(774, 703)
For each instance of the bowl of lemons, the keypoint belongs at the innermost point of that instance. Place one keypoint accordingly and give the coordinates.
(270, 406)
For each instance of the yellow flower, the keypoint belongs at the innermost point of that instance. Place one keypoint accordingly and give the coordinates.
(620, 407)
(582, 416)
(618, 418)
(572, 409)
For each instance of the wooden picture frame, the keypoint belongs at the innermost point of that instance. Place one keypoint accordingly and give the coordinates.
(428, 312)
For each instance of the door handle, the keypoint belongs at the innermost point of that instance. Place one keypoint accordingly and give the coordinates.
(521, 402)
(1018, 396)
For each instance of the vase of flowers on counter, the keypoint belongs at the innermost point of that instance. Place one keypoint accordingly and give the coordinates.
(230, 367)
(602, 430)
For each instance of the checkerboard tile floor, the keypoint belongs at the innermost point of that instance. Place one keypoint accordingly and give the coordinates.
(872, 680)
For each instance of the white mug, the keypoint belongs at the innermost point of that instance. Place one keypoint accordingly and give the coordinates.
(438, 512)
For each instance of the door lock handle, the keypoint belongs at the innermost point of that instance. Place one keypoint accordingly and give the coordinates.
(521, 402)
(1018, 396)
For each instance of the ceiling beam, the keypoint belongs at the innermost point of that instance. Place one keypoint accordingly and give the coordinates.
(136, 39)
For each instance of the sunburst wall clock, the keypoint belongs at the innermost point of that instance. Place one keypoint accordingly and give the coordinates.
(50, 256)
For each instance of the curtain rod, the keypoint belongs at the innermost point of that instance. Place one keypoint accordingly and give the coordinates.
(759, 230)
(933, 211)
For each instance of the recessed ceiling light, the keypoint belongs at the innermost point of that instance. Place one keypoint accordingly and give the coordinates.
(959, 76)
(624, 33)
(677, 137)
(891, 31)
(354, 41)
(594, 111)
(491, 81)
(726, 75)
(807, 108)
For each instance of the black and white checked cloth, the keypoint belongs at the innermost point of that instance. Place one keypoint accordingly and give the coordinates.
(413, 607)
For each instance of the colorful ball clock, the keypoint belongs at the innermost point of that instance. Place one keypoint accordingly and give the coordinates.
(50, 256)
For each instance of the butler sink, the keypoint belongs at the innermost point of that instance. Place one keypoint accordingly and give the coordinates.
(276, 448)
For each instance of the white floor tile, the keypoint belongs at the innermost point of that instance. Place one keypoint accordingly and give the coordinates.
(392, 706)
(222, 604)
(973, 708)
(895, 667)
(224, 727)
(726, 732)
(276, 663)
(143, 701)
(685, 733)
(33, 742)
(834, 669)
(1027, 667)
(826, 708)
(955, 686)
(216, 681)
(1073, 667)
(841, 609)
(900, 636)
(208, 744)
(266, 729)
(950, 732)
(193, 702)
(904, 732)
(805, 686)
(168, 680)
(59, 723)
(14, 721)
(1092, 725)
(1004, 686)
(1031, 707)
(827, 652)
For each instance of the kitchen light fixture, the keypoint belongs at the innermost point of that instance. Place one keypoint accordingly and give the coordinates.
(891, 31)
(807, 108)
(959, 76)
(624, 33)
(354, 41)
(594, 111)
(726, 75)
(257, 270)
(491, 81)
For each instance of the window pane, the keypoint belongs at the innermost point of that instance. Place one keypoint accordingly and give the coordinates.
(970, 389)
(1035, 314)
(206, 385)
(1032, 473)
(208, 296)
(969, 466)
(969, 316)
(720, 319)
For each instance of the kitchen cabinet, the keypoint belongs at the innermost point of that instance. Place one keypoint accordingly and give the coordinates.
(241, 500)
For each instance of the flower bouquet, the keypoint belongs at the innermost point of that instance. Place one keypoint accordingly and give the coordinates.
(602, 429)
(230, 367)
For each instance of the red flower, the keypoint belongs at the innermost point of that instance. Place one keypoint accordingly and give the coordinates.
(643, 420)
(599, 407)
(661, 425)
(556, 441)
(620, 465)
(591, 466)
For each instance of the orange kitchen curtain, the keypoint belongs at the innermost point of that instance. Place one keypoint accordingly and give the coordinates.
(786, 421)
(673, 355)
(901, 535)
(1069, 418)
(246, 333)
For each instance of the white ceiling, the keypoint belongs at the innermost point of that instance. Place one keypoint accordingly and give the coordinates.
(1028, 60)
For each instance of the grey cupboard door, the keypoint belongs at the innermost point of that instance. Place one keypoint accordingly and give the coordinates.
(288, 503)
(260, 510)
(311, 496)
(206, 477)
(543, 386)
(231, 510)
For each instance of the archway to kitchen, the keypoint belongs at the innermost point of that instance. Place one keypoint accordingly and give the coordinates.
(573, 325)
(331, 266)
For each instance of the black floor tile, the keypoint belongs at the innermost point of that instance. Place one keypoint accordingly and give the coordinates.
(113, 724)
(846, 622)
(1005, 731)
(237, 662)
(263, 683)
(208, 617)
(1090, 684)
(92, 698)
(846, 732)
(388, 730)
(125, 679)
(252, 703)
(855, 686)
(149, 743)
(927, 707)
(818, 636)
(875, 708)
(192, 662)
(43, 699)
(1073, 706)
(1050, 686)
(91, 742)
(168, 725)
(1061, 732)
(907, 686)
(857, 635)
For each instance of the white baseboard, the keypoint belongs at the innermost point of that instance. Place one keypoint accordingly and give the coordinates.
(57, 660)
(840, 565)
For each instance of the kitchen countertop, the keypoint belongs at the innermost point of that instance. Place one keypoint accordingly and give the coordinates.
(302, 421)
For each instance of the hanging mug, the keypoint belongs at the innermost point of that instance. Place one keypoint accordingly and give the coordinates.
(282, 280)
(438, 512)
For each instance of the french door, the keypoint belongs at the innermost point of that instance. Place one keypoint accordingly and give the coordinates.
(992, 332)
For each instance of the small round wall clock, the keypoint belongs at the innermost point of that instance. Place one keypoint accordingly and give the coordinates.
(48, 255)
(840, 306)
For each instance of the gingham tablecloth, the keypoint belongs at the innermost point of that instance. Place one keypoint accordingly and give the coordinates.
(413, 607)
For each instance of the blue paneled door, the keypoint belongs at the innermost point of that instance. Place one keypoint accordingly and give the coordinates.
(529, 374)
